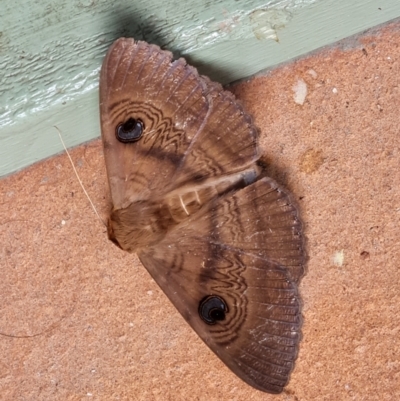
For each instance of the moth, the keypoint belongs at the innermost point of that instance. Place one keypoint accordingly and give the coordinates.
(223, 241)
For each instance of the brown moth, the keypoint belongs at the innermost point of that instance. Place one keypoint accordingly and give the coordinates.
(224, 242)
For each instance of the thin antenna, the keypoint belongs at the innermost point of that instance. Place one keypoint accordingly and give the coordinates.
(77, 176)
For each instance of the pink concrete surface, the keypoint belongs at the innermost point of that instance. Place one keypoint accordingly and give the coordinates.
(81, 320)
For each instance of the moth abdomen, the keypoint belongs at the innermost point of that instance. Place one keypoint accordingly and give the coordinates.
(182, 205)
(189, 199)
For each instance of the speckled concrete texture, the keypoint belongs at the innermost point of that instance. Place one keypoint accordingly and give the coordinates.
(81, 320)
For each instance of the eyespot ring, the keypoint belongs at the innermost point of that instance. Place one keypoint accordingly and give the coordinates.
(212, 309)
(129, 131)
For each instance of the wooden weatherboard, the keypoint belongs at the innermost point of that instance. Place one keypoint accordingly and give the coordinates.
(51, 52)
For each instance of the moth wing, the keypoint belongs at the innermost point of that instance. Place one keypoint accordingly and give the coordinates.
(236, 250)
(193, 129)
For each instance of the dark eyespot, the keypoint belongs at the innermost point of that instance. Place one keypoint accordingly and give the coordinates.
(129, 131)
(212, 309)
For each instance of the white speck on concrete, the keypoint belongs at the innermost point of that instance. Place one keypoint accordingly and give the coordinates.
(300, 91)
(338, 258)
(313, 73)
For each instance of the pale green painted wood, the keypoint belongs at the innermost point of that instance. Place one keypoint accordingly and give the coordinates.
(51, 52)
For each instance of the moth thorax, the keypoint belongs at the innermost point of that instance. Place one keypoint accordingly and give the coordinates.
(139, 225)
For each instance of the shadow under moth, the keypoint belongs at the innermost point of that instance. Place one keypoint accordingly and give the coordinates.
(223, 241)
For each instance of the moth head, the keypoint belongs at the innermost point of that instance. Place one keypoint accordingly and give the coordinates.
(111, 234)
(139, 225)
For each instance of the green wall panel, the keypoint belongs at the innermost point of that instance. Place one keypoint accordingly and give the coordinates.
(51, 52)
